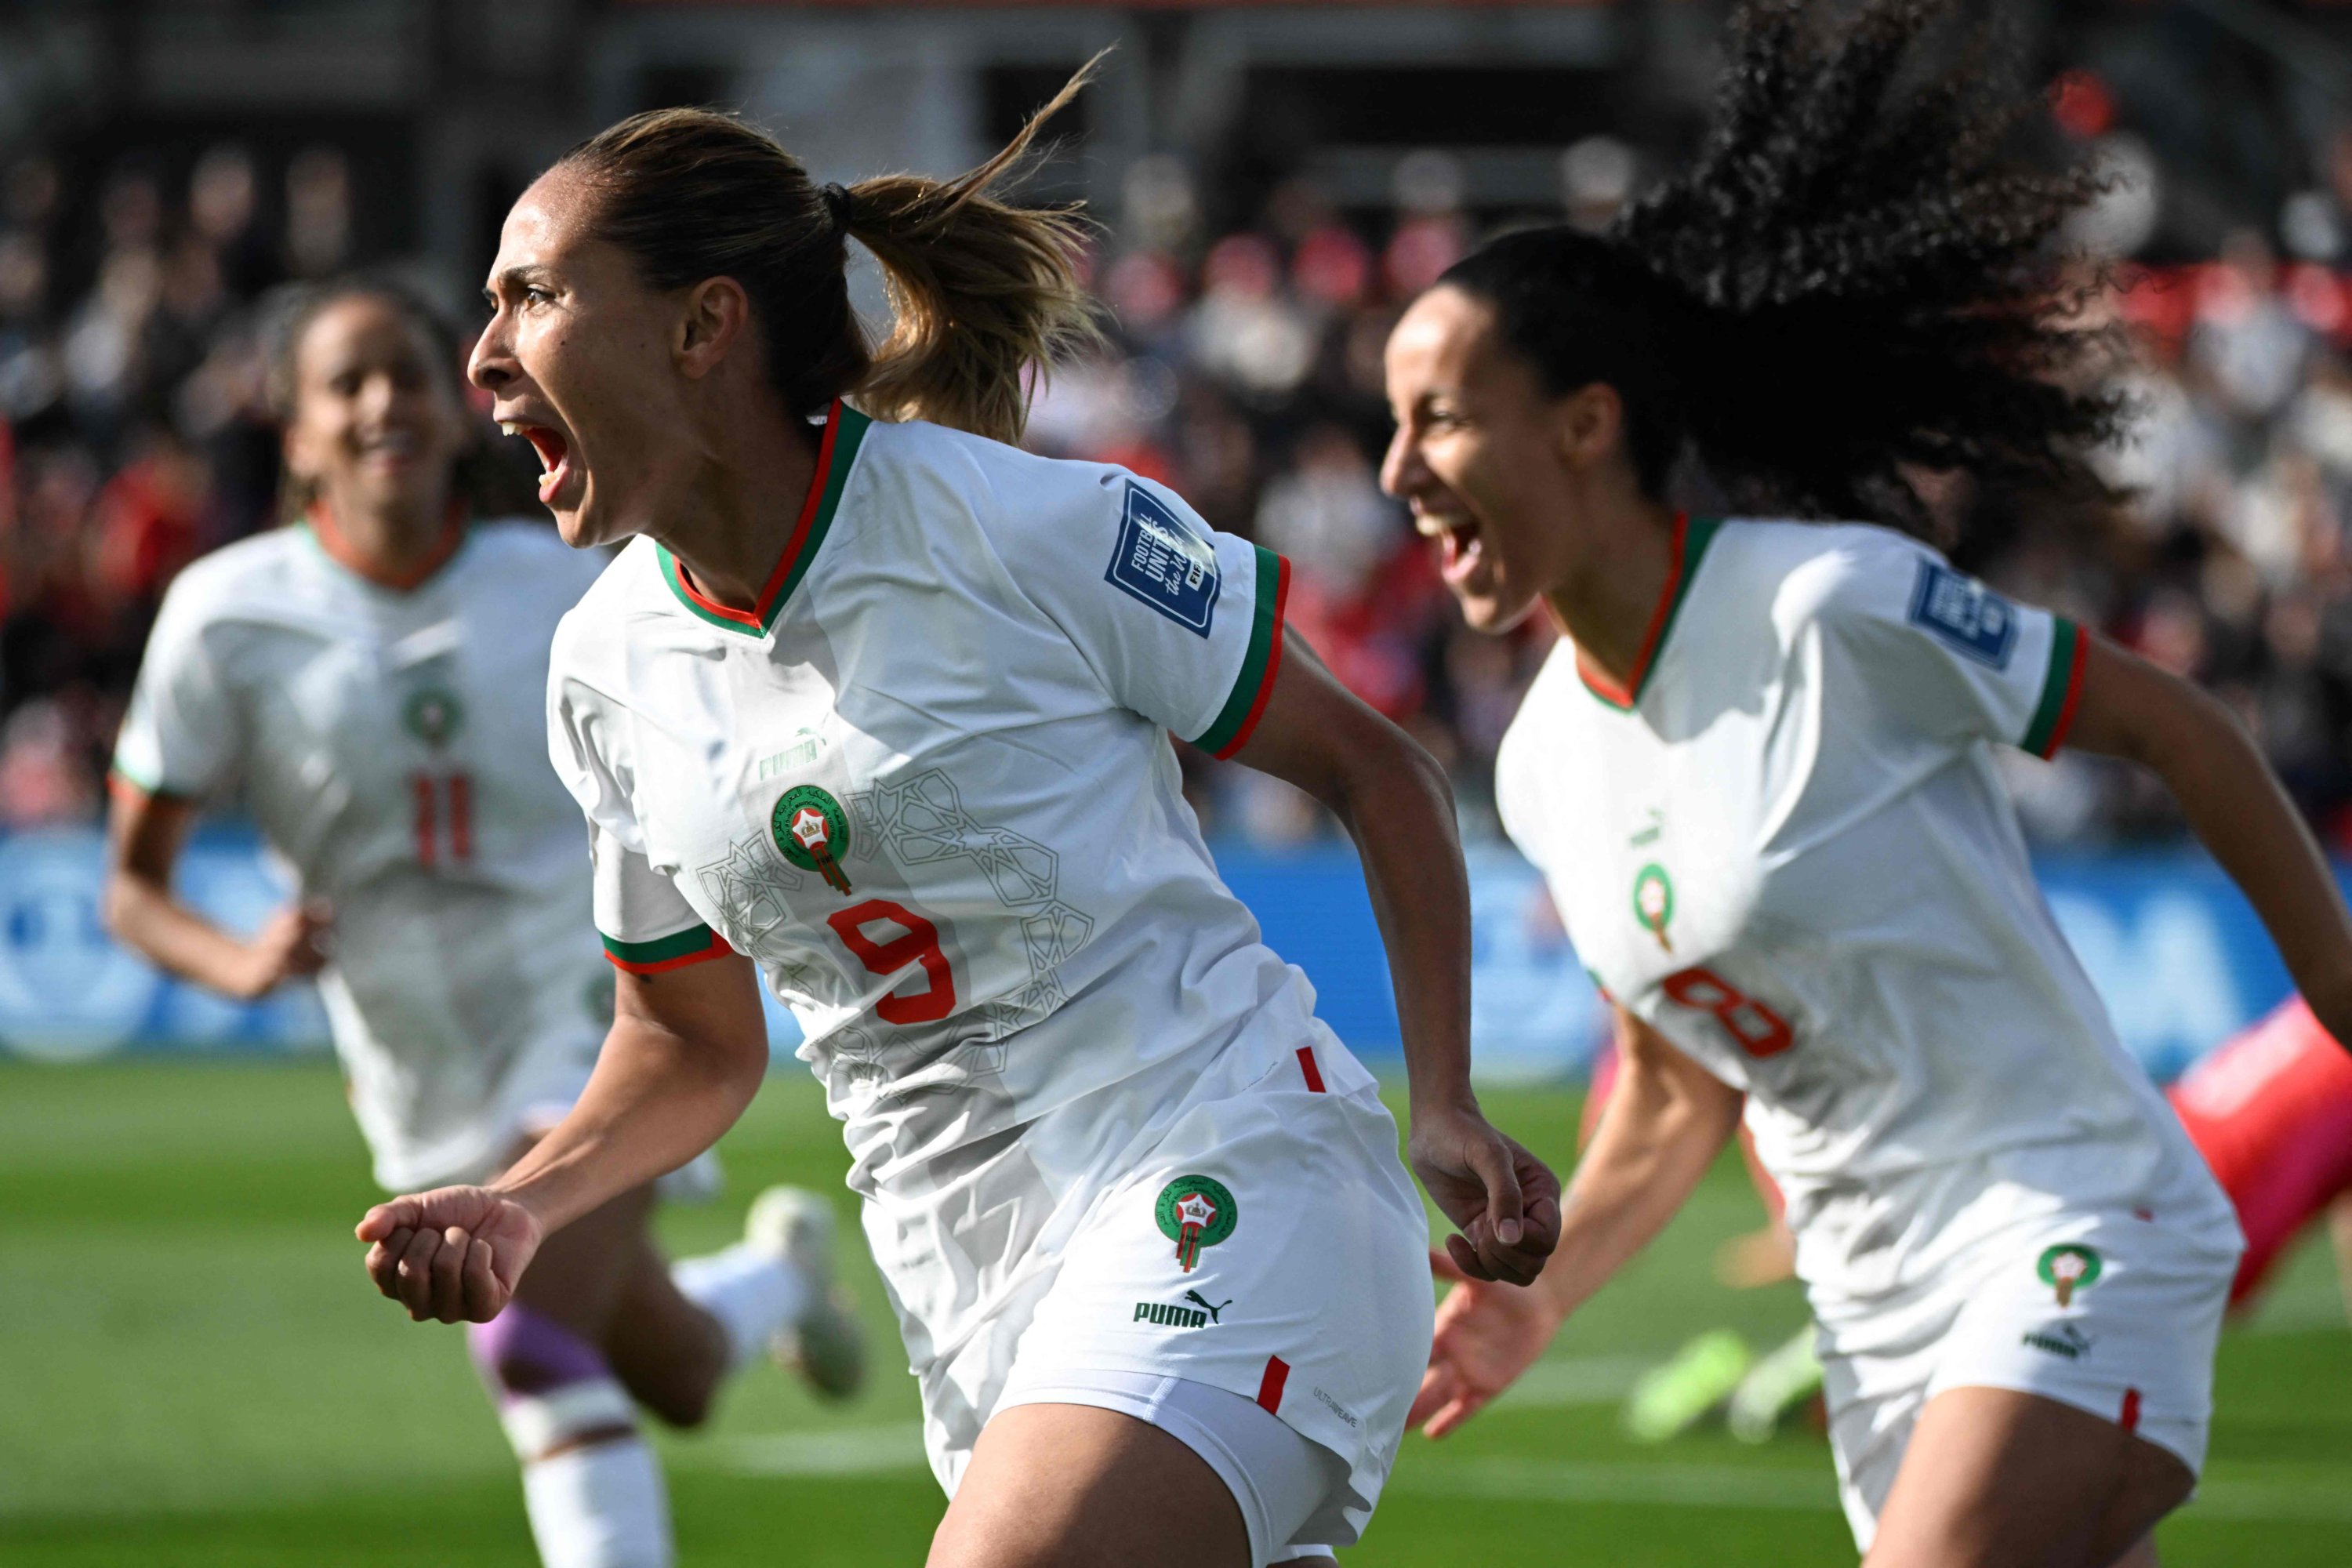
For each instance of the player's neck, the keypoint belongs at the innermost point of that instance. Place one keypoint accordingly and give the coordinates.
(395, 548)
(1607, 604)
(739, 505)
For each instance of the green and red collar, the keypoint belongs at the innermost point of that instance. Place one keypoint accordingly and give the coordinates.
(1691, 538)
(836, 454)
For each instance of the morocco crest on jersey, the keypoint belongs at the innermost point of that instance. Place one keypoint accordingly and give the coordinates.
(1195, 1211)
(812, 831)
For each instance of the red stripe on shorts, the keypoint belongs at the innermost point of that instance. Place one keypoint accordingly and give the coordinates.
(1307, 1065)
(2130, 1419)
(1269, 1387)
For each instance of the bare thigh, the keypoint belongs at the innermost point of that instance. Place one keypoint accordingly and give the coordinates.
(1995, 1478)
(1071, 1485)
(578, 1275)
(601, 1278)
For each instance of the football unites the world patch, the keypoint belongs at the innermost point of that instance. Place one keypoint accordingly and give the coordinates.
(1965, 614)
(1195, 1211)
(812, 831)
(1162, 562)
(2067, 1267)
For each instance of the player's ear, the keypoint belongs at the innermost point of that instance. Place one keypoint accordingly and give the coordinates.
(1589, 423)
(714, 317)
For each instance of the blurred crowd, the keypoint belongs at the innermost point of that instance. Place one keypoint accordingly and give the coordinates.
(134, 435)
(1244, 371)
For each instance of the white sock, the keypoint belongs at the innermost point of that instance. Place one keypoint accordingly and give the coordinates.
(751, 1292)
(600, 1506)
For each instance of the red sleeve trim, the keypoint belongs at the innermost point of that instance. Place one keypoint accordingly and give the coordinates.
(2073, 695)
(1273, 664)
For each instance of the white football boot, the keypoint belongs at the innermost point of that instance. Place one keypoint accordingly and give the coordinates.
(825, 1345)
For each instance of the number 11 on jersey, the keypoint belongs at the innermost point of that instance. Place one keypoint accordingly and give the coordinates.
(444, 817)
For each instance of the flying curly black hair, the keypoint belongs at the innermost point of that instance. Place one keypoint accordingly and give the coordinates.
(1853, 277)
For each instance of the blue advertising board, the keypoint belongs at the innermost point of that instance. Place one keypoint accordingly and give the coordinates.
(2170, 944)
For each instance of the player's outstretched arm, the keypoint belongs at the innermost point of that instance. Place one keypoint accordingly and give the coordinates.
(1396, 803)
(687, 1053)
(2237, 808)
(1667, 1120)
(145, 834)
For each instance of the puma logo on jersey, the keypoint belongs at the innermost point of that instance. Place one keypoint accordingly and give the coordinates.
(798, 755)
(1160, 560)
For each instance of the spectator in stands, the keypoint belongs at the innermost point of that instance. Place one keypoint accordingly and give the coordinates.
(1245, 372)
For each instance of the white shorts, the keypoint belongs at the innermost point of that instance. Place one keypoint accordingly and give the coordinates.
(1278, 1479)
(1268, 1246)
(2111, 1314)
(473, 1007)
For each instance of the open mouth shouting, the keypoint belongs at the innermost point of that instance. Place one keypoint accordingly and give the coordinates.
(554, 451)
(1462, 549)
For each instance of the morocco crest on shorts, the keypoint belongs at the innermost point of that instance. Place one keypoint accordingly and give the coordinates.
(1195, 1211)
(812, 831)
(2068, 1268)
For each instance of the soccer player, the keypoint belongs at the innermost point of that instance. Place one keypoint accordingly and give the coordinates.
(1758, 775)
(370, 683)
(879, 704)
(2270, 1110)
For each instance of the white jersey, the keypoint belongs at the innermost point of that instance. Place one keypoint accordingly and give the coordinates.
(385, 742)
(928, 785)
(1785, 848)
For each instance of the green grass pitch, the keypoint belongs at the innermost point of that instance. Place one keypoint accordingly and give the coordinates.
(194, 1371)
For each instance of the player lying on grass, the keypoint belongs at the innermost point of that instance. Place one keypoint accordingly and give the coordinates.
(368, 683)
(1757, 773)
(876, 706)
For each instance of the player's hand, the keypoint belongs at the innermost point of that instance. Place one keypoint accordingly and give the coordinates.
(293, 943)
(1504, 1199)
(453, 1254)
(1487, 1336)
